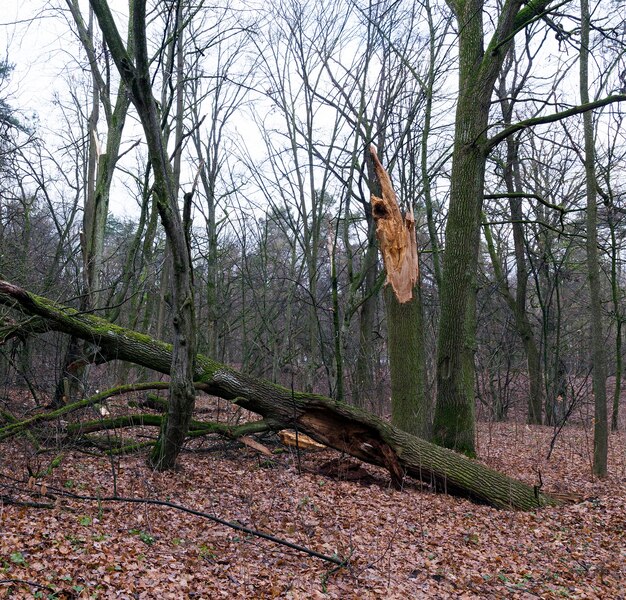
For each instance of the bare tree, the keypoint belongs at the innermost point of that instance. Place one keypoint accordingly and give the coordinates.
(598, 361)
(134, 68)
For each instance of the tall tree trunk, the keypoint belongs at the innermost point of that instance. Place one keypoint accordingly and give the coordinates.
(331, 244)
(424, 148)
(100, 168)
(598, 360)
(454, 425)
(522, 320)
(454, 421)
(508, 96)
(136, 75)
(617, 312)
(364, 385)
(101, 163)
(617, 393)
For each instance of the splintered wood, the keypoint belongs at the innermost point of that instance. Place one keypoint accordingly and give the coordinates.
(396, 236)
(302, 441)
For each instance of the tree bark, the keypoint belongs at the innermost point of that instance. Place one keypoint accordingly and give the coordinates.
(136, 76)
(598, 361)
(410, 408)
(454, 420)
(335, 424)
(454, 425)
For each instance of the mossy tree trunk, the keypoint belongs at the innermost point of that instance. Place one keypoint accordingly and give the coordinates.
(454, 421)
(410, 409)
(478, 70)
(134, 69)
(336, 424)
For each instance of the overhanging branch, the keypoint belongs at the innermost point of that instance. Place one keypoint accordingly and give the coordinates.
(570, 112)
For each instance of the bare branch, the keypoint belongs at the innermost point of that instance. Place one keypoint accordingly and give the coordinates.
(564, 114)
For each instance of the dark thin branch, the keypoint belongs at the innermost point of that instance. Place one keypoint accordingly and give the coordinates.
(534, 222)
(14, 502)
(236, 526)
(28, 583)
(564, 114)
(537, 197)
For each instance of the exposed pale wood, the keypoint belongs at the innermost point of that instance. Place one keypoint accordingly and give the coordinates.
(301, 440)
(396, 236)
(248, 441)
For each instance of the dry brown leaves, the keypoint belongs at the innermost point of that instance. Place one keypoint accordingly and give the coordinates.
(401, 544)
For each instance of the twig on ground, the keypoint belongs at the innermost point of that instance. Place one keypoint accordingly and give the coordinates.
(28, 583)
(14, 502)
(51, 492)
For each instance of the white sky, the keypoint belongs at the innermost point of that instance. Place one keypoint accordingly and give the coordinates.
(37, 41)
(42, 48)
(32, 39)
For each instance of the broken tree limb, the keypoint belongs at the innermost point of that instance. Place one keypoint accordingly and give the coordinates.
(335, 424)
(16, 426)
(396, 236)
(196, 428)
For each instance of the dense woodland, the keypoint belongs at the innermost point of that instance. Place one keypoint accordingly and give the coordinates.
(207, 237)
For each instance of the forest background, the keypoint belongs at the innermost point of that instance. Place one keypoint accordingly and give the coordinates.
(202, 174)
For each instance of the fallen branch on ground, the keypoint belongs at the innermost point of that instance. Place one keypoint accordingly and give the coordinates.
(53, 492)
(335, 424)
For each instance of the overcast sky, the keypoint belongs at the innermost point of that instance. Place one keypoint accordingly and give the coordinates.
(31, 39)
(37, 41)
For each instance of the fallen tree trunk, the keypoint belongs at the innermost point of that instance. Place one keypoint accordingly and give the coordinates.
(335, 424)
(196, 428)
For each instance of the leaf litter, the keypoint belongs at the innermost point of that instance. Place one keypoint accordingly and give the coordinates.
(398, 544)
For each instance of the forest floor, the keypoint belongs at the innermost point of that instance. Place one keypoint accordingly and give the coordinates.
(401, 544)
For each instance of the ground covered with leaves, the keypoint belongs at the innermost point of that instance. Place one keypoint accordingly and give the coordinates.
(54, 543)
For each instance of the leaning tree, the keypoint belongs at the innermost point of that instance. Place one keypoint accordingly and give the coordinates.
(335, 424)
